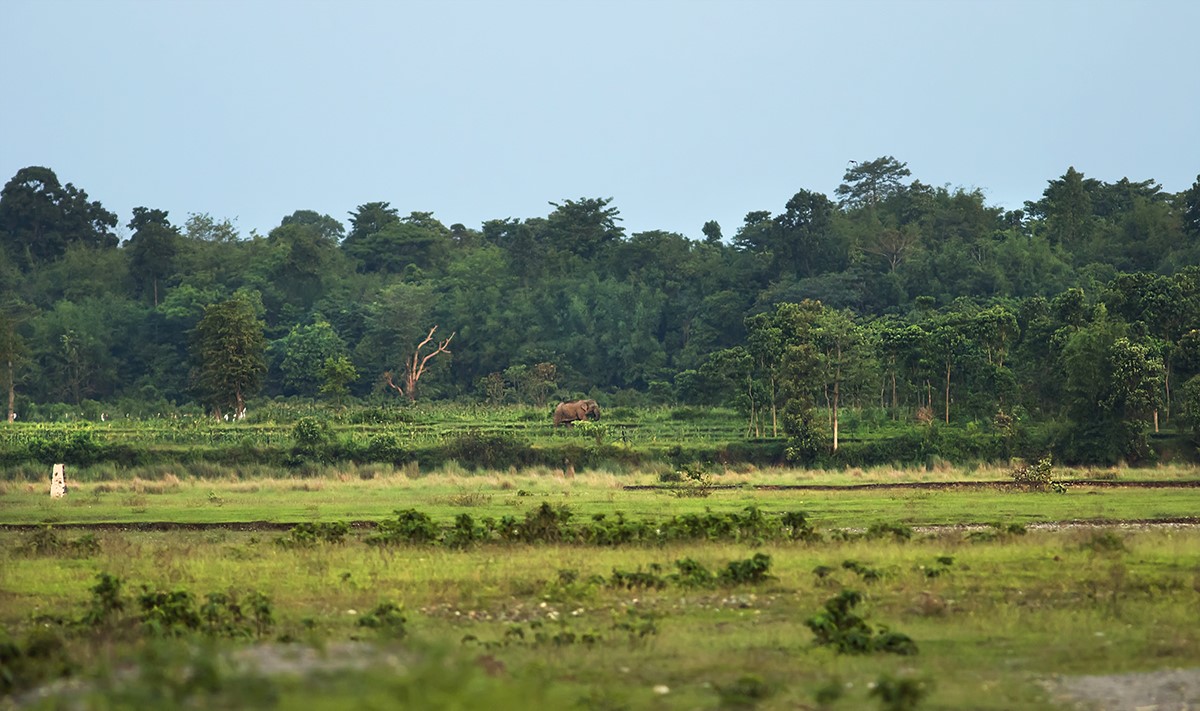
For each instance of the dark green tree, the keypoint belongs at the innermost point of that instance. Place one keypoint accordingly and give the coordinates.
(584, 227)
(152, 248)
(337, 373)
(1111, 384)
(804, 241)
(229, 350)
(1190, 208)
(40, 218)
(869, 183)
(13, 353)
(302, 355)
(1066, 206)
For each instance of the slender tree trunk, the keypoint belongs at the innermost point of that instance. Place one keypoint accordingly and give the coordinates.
(1167, 393)
(836, 394)
(12, 393)
(750, 399)
(895, 401)
(774, 410)
(947, 393)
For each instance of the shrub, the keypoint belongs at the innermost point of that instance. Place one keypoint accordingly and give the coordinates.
(306, 535)
(1038, 476)
(487, 450)
(409, 526)
(837, 626)
(384, 448)
(106, 601)
(745, 693)
(312, 438)
(899, 694)
(42, 656)
(387, 619)
(747, 572)
(169, 613)
(45, 542)
(898, 531)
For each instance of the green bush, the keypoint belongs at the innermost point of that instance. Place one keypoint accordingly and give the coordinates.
(837, 626)
(488, 450)
(313, 438)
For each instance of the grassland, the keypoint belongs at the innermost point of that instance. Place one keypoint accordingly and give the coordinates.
(991, 610)
(647, 576)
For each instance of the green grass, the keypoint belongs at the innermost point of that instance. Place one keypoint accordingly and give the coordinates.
(349, 496)
(1001, 615)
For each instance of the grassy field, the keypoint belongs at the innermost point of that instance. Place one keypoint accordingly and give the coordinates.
(372, 493)
(260, 618)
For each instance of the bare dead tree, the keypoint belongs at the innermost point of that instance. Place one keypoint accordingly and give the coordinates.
(415, 367)
(892, 245)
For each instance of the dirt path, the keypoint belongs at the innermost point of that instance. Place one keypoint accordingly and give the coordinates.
(1166, 690)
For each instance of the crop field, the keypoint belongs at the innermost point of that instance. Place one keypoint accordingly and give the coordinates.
(385, 587)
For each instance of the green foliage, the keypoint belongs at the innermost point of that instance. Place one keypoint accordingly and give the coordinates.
(168, 613)
(229, 349)
(897, 531)
(866, 573)
(387, 619)
(640, 625)
(1038, 476)
(490, 450)
(1105, 541)
(899, 693)
(837, 626)
(408, 527)
(692, 481)
(41, 657)
(106, 602)
(745, 693)
(307, 535)
(312, 438)
(752, 571)
(44, 541)
(797, 527)
(639, 579)
(997, 531)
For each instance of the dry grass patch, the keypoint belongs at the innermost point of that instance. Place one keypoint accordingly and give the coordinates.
(142, 486)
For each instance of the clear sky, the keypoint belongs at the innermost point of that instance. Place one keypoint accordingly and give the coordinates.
(682, 111)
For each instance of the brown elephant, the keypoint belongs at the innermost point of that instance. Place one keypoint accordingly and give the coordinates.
(567, 413)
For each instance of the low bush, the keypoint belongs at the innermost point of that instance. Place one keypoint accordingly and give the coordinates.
(839, 627)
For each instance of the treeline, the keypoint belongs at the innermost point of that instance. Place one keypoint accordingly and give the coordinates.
(933, 304)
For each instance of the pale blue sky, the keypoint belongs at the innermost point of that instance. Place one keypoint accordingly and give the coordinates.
(682, 111)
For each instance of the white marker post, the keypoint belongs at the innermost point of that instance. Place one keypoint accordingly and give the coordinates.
(58, 482)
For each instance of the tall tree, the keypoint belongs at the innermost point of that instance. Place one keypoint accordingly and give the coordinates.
(805, 243)
(13, 354)
(867, 184)
(1067, 207)
(585, 227)
(40, 218)
(841, 344)
(152, 247)
(1190, 207)
(302, 355)
(328, 228)
(229, 349)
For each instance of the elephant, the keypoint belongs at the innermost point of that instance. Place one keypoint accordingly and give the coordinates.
(567, 413)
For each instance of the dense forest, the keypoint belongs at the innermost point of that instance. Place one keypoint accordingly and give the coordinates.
(921, 303)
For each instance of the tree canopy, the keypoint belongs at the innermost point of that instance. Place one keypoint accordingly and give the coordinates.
(891, 294)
